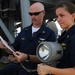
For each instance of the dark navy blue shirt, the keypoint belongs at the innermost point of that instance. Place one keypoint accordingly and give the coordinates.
(67, 40)
(26, 43)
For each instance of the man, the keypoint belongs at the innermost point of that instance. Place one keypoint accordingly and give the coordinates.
(26, 43)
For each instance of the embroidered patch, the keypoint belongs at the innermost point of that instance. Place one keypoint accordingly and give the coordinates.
(42, 39)
(43, 31)
(22, 38)
(68, 36)
(63, 45)
(39, 41)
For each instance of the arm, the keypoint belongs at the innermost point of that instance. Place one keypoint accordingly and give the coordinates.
(2, 45)
(45, 69)
(34, 58)
(22, 56)
(10, 57)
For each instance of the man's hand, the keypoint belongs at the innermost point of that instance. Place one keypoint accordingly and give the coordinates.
(42, 69)
(2, 45)
(11, 58)
(20, 56)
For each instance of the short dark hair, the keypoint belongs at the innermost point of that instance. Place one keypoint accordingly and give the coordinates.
(70, 7)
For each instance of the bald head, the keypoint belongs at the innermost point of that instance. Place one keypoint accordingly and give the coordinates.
(36, 7)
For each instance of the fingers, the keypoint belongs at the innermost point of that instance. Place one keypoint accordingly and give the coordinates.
(39, 65)
(11, 58)
(19, 56)
(16, 54)
(38, 72)
(38, 69)
(1, 45)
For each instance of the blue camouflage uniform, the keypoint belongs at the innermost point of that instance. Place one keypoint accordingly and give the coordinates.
(67, 40)
(27, 43)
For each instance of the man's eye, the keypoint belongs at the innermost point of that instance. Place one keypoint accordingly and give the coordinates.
(61, 15)
(56, 17)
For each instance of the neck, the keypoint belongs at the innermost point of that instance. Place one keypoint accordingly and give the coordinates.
(37, 26)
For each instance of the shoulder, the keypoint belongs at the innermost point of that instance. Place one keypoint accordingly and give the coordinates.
(25, 29)
(49, 32)
(47, 29)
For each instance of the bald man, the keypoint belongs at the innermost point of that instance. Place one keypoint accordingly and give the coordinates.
(26, 43)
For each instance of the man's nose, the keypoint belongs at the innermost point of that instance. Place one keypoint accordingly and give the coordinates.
(33, 15)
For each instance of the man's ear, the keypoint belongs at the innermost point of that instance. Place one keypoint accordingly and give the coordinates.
(73, 15)
(44, 13)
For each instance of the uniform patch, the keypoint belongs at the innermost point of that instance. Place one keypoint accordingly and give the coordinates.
(22, 38)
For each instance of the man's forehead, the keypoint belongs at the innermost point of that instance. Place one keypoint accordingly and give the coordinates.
(36, 7)
(37, 4)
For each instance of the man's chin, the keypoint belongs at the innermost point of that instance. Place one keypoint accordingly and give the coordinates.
(35, 23)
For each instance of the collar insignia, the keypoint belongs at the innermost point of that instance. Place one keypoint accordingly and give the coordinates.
(68, 36)
(22, 38)
(43, 32)
(63, 44)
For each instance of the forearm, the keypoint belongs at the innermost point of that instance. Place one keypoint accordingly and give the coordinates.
(66, 71)
(25, 57)
(34, 58)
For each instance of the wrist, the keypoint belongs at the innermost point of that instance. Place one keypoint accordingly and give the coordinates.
(28, 57)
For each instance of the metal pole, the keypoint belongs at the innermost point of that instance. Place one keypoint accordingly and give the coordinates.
(26, 21)
(6, 31)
